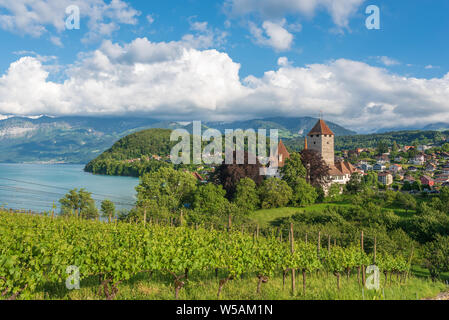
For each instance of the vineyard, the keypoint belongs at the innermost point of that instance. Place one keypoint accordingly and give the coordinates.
(35, 252)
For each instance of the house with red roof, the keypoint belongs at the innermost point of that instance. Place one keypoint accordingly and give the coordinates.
(427, 181)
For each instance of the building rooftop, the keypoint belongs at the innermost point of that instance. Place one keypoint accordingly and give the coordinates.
(321, 128)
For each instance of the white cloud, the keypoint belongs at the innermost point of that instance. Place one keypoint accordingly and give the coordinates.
(150, 19)
(176, 81)
(56, 41)
(388, 61)
(35, 18)
(340, 10)
(204, 36)
(273, 35)
(429, 67)
(283, 62)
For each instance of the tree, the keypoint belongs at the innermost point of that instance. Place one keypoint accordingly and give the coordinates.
(246, 195)
(210, 199)
(80, 202)
(407, 201)
(382, 147)
(293, 169)
(407, 186)
(355, 185)
(417, 185)
(436, 256)
(90, 211)
(229, 175)
(370, 179)
(303, 193)
(334, 191)
(70, 203)
(169, 188)
(275, 193)
(108, 209)
(316, 168)
(394, 148)
(445, 147)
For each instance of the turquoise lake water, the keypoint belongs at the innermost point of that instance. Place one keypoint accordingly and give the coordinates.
(36, 186)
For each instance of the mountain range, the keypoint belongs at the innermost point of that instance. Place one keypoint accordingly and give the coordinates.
(80, 139)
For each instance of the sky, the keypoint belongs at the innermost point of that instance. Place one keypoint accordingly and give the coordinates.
(228, 60)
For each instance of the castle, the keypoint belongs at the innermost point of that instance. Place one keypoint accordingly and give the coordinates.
(321, 139)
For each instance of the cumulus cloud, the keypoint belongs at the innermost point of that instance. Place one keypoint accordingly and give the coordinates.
(273, 35)
(340, 10)
(176, 81)
(35, 18)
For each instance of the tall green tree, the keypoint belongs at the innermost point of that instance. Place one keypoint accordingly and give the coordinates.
(303, 193)
(169, 188)
(275, 193)
(293, 169)
(246, 195)
(210, 200)
(108, 209)
(79, 203)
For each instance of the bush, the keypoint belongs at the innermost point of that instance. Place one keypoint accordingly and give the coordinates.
(275, 193)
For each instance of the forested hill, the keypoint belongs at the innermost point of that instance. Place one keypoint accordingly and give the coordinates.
(415, 137)
(147, 142)
(125, 157)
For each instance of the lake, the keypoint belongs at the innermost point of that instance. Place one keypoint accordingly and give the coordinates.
(36, 186)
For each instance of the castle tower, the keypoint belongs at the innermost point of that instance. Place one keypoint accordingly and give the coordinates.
(321, 139)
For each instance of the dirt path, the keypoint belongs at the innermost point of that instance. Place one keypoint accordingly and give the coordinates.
(441, 296)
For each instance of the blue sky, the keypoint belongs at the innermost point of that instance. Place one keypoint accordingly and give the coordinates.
(246, 58)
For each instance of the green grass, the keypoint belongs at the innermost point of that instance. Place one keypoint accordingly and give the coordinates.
(264, 217)
(204, 286)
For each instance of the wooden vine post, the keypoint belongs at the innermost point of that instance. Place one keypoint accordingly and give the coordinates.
(319, 244)
(292, 247)
(363, 266)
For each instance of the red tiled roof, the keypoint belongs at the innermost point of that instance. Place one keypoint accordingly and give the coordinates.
(321, 128)
(283, 150)
(342, 168)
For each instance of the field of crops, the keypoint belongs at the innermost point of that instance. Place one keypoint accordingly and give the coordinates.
(36, 251)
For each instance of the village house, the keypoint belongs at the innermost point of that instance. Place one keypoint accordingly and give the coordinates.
(395, 168)
(407, 148)
(419, 160)
(430, 167)
(423, 148)
(366, 167)
(409, 179)
(385, 178)
(398, 159)
(383, 159)
(379, 167)
(427, 181)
